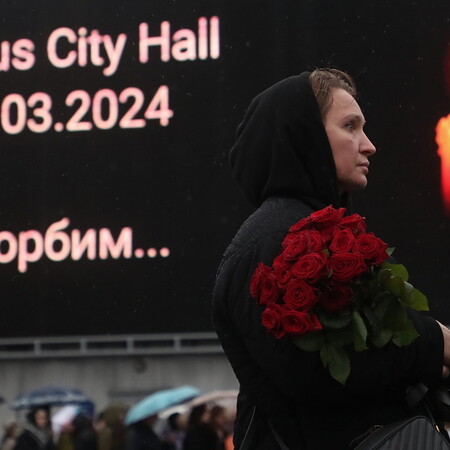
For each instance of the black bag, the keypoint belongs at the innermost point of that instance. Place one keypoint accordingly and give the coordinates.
(423, 431)
(415, 433)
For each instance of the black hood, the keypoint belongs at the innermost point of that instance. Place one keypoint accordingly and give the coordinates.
(282, 147)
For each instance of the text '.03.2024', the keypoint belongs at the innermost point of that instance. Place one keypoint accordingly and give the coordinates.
(102, 110)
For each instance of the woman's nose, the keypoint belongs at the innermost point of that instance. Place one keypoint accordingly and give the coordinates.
(367, 146)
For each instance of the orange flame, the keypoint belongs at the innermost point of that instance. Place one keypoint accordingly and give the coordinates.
(443, 142)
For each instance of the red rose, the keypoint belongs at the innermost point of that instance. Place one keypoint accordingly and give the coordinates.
(345, 266)
(355, 222)
(271, 320)
(270, 292)
(328, 234)
(306, 241)
(283, 272)
(310, 267)
(261, 272)
(279, 261)
(294, 245)
(372, 248)
(336, 299)
(316, 242)
(300, 295)
(327, 217)
(343, 241)
(297, 323)
(301, 225)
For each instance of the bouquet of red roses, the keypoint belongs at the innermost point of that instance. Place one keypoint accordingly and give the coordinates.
(332, 286)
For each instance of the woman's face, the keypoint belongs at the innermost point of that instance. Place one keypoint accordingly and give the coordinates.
(41, 418)
(351, 147)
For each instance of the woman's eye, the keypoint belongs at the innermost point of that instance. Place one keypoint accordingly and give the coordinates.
(350, 126)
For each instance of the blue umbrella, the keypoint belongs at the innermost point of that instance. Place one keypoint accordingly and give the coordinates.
(49, 396)
(159, 401)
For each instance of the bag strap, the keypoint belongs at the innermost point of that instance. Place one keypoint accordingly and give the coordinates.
(416, 397)
(250, 432)
(415, 394)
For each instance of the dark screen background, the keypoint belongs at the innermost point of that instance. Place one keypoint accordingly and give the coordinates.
(171, 185)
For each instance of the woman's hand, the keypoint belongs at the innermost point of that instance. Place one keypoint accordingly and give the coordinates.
(446, 365)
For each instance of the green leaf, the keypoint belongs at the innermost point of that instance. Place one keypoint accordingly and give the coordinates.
(382, 338)
(310, 342)
(384, 275)
(406, 294)
(382, 303)
(335, 322)
(373, 285)
(337, 361)
(359, 332)
(396, 317)
(408, 287)
(418, 300)
(395, 285)
(373, 320)
(406, 335)
(398, 270)
(390, 250)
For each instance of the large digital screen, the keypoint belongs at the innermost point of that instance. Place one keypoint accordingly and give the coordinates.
(116, 121)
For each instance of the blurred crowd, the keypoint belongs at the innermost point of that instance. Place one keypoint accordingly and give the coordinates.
(205, 426)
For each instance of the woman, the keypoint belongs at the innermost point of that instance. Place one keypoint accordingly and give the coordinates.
(300, 148)
(37, 432)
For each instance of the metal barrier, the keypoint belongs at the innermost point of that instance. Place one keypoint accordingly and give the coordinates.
(109, 345)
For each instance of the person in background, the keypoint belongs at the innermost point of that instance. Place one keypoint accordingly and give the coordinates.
(84, 433)
(65, 438)
(219, 423)
(141, 436)
(200, 435)
(111, 428)
(301, 147)
(173, 435)
(37, 432)
(104, 433)
(10, 435)
(228, 443)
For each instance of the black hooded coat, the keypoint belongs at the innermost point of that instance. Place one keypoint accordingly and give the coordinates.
(33, 437)
(283, 163)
